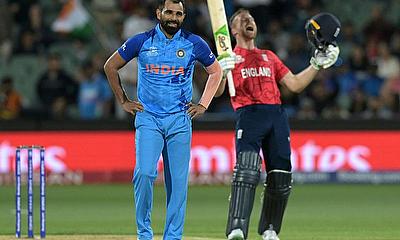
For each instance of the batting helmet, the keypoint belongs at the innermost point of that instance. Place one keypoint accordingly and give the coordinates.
(322, 30)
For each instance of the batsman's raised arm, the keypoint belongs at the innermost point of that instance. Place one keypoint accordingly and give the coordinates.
(321, 60)
(297, 83)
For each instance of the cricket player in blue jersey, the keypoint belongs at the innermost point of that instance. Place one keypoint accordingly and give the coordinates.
(166, 57)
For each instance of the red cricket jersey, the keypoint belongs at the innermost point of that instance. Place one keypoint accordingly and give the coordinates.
(256, 76)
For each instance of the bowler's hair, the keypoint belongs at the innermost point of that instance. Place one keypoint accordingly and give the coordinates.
(161, 4)
(239, 11)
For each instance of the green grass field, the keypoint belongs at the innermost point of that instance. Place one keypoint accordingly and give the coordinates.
(320, 212)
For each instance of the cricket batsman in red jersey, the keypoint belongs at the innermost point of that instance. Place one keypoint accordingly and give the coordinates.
(262, 123)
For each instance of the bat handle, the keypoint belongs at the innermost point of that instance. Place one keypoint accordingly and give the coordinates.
(231, 85)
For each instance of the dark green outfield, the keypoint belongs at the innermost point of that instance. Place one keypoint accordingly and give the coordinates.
(358, 212)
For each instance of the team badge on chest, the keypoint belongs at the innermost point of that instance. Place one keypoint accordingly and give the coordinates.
(239, 59)
(264, 57)
(180, 53)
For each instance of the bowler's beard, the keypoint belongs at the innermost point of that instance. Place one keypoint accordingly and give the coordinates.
(169, 29)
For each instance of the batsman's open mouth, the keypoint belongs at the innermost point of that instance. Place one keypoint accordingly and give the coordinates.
(249, 28)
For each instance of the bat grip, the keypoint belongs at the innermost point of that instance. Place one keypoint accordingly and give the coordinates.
(231, 85)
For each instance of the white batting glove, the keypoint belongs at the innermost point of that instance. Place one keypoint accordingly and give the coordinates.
(325, 59)
(227, 62)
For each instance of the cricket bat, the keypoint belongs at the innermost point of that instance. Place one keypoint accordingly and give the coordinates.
(221, 34)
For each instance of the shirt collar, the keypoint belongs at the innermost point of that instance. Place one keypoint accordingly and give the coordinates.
(162, 35)
(245, 49)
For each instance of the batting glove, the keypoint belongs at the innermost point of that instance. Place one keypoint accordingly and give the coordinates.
(324, 60)
(227, 62)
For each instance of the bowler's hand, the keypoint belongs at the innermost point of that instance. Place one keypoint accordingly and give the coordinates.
(195, 110)
(132, 107)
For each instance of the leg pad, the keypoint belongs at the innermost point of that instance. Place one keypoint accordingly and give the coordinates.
(276, 195)
(246, 176)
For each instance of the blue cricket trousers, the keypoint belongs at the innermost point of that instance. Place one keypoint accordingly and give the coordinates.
(170, 136)
(265, 127)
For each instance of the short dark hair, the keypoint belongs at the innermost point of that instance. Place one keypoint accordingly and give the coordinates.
(235, 14)
(162, 3)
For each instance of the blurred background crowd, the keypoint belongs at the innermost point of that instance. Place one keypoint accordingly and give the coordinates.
(52, 54)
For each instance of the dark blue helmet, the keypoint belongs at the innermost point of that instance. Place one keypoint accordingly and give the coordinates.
(322, 30)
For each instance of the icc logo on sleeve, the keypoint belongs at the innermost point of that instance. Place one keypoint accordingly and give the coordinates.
(180, 53)
(152, 51)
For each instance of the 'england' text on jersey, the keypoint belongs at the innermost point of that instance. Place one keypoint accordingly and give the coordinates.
(255, 72)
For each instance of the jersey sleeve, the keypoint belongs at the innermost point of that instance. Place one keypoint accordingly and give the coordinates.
(203, 53)
(131, 48)
(280, 68)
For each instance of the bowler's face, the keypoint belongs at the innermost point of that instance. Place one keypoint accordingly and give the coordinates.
(171, 17)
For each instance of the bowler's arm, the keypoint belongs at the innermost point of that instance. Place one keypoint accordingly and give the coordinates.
(221, 87)
(214, 79)
(111, 67)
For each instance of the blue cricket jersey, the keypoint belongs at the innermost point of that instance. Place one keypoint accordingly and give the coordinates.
(165, 67)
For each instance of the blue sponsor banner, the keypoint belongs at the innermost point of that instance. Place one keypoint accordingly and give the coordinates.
(347, 177)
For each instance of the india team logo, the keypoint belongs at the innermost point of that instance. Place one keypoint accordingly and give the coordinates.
(180, 53)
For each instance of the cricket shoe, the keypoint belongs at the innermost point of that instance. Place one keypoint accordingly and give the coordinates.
(236, 234)
(270, 235)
